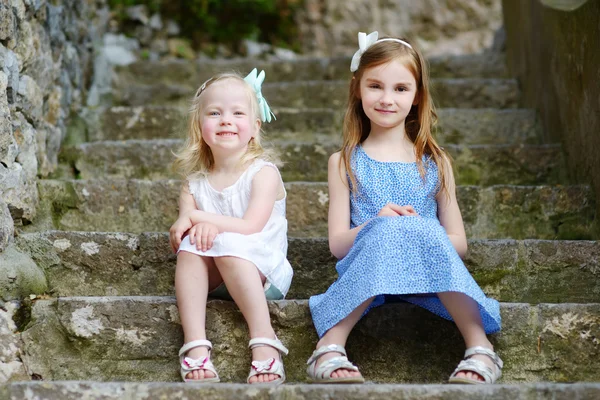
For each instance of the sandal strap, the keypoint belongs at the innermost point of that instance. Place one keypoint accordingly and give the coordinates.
(325, 370)
(262, 341)
(330, 348)
(471, 351)
(193, 344)
(270, 366)
(477, 367)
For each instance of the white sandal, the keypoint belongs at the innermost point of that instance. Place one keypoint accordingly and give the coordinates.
(270, 366)
(322, 373)
(190, 364)
(479, 367)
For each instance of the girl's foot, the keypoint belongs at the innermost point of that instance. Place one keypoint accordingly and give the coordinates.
(266, 361)
(329, 364)
(199, 374)
(480, 365)
(340, 372)
(195, 364)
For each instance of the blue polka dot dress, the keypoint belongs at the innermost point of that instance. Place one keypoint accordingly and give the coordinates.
(406, 258)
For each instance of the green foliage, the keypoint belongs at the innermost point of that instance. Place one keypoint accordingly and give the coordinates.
(207, 22)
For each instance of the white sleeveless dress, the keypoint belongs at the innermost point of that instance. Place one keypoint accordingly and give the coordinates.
(266, 249)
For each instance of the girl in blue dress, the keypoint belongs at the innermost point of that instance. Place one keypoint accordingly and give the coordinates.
(394, 221)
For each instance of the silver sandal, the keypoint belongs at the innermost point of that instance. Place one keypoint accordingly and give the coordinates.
(322, 373)
(188, 364)
(479, 367)
(270, 366)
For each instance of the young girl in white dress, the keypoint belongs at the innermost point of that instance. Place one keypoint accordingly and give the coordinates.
(231, 234)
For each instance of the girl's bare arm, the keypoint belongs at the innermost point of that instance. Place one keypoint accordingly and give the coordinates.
(450, 216)
(341, 237)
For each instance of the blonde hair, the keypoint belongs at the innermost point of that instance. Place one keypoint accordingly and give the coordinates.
(419, 123)
(195, 159)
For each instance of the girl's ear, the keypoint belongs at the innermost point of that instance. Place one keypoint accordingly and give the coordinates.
(257, 126)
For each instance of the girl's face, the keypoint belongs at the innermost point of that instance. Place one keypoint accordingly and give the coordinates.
(387, 93)
(228, 122)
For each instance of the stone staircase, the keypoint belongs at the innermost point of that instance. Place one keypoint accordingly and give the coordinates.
(100, 236)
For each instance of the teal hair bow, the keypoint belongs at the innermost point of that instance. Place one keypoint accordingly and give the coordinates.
(255, 80)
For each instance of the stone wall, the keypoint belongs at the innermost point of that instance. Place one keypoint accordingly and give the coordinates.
(330, 27)
(45, 63)
(46, 55)
(46, 58)
(555, 56)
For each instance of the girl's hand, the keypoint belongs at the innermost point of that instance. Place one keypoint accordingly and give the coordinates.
(394, 210)
(203, 234)
(179, 228)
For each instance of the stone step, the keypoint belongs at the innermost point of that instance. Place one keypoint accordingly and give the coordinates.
(137, 339)
(456, 126)
(474, 165)
(193, 73)
(120, 205)
(86, 390)
(457, 93)
(124, 264)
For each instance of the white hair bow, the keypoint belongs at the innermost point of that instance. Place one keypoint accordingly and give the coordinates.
(364, 42)
(255, 80)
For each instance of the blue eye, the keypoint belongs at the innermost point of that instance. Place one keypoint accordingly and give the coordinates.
(213, 113)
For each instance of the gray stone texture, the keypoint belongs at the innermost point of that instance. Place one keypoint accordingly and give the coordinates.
(124, 264)
(437, 26)
(544, 212)
(483, 165)
(137, 339)
(301, 69)
(11, 367)
(44, 61)
(221, 391)
(457, 93)
(19, 275)
(456, 126)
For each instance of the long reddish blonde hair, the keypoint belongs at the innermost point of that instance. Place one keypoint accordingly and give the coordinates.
(419, 123)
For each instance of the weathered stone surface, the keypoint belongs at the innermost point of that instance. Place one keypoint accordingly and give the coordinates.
(111, 264)
(436, 26)
(19, 275)
(8, 23)
(474, 165)
(456, 126)
(18, 191)
(8, 146)
(137, 338)
(10, 66)
(25, 138)
(459, 93)
(30, 98)
(220, 391)
(543, 212)
(11, 367)
(7, 227)
(300, 69)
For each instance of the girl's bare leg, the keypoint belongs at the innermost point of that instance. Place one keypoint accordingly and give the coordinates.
(338, 334)
(245, 285)
(465, 312)
(194, 277)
